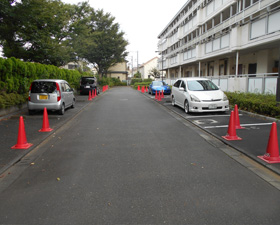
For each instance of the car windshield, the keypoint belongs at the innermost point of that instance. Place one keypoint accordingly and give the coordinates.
(87, 81)
(201, 85)
(43, 87)
(158, 83)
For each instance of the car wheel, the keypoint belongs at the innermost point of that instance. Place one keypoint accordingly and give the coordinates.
(73, 103)
(186, 106)
(173, 101)
(62, 110)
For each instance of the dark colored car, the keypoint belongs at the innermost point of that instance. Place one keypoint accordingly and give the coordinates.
(88, 84)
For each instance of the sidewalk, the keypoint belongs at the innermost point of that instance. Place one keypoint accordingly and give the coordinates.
(254, 138)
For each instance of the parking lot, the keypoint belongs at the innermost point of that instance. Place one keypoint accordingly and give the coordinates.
(255, 134)
(9, 130)
(254, 141)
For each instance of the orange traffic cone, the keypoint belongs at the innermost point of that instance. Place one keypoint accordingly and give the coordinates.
(146, 89)
(21, 140)
(159, 96)
(272, 149)
(138, 88)
(45, 126)
(89, 96)
(143, 90)
(162, 94)
(156, 96)
(231, 133)
(92, 94)
(236, 117)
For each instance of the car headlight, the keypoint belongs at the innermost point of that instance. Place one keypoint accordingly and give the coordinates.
(225, 98)
(194, 98)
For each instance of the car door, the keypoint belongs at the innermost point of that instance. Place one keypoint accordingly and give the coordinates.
(68, 94)
(181, 93)
(175, 90)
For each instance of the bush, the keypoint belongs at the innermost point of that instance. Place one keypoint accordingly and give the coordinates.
(256, 103)
(139, 80)
(135, 86)
(12, 99)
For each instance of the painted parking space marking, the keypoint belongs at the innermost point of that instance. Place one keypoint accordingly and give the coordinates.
(243, 125)
(205, 121)
(192, 117)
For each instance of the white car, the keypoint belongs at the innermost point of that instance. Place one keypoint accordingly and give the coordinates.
(198, 95)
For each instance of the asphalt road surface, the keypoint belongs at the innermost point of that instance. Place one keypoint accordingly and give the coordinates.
(124, 159)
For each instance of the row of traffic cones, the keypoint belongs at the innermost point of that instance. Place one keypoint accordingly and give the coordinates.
(21, 139)
(92, 94)
(143, 89)
(105, 88)
(272, 150)
(159, 95)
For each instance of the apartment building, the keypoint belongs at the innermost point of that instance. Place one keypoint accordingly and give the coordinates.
(221, 37)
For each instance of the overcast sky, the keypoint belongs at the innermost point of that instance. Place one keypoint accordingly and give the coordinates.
(142, 21)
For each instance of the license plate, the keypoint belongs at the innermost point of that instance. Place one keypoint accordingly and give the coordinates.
(43, 97)
(212, 106)
(87, 86)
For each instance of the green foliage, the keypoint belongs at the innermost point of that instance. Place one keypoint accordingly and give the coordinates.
(256, 103)
(12, 99)
(154, 72)
(110, 81)
(137, 80)
(54, 33)
(16, 77)
(137, 75)
(145, 84)
(106, 46)
(37, 31)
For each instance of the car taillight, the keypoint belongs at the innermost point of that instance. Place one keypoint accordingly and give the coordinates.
(58, 92)
(29, 93)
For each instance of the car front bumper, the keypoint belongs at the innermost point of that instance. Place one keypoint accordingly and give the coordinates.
(220, 106)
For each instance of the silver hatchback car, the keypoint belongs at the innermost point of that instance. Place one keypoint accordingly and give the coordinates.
(56, 95)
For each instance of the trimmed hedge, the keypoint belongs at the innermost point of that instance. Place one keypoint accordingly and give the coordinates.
(135, 86)
(16, 77)
(111, 81)
(139, 80)
(256, 103)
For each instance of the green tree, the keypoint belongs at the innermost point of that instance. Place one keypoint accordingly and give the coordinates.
(105, 43)
(38, 31)
(154, 72)
(137, 75)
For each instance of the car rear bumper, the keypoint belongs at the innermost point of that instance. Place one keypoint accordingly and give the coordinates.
(86, 90)
(41, 106)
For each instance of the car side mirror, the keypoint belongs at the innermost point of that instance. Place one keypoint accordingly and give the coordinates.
(181, 89)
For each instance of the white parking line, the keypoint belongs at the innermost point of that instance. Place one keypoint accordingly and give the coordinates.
(193, 117)
(243, 125)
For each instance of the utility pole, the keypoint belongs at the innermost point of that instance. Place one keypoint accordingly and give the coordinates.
(131, 67)
(137, 62)
(278, 84)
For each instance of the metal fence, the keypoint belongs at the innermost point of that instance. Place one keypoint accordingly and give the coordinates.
(253, 83)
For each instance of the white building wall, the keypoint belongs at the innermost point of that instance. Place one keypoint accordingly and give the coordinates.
(256, 24)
